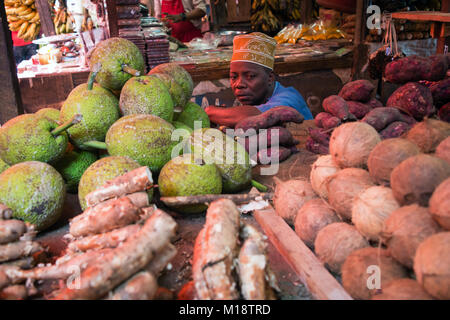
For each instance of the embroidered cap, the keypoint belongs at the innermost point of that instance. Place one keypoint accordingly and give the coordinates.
(256, 48)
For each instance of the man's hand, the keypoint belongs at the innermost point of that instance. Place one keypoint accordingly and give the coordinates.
(174, 18)
(230, 116)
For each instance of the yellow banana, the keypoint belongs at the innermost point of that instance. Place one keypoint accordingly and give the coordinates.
(28, 2)
(13, 18)
(11, 11)
(22, 9)
(36, 18)
(29, 16)
(23, 29)
(30, 31)
(14, 26)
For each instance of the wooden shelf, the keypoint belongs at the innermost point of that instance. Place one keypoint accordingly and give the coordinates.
(432, 16)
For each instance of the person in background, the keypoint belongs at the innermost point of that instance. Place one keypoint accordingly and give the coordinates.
(253, 82)
(23, 50)
(184, 17)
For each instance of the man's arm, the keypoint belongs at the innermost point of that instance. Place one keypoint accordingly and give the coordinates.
(230, 116)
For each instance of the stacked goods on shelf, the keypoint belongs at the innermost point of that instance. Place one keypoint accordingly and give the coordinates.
(18, 251)
(157, 49)
(405, 30)
(377, 204)
(65, 23)
(23, 17)
(265, 16)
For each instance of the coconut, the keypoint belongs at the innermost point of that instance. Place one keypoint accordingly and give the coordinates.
(371, 208)
(405, 229)
(440, 204)
(335, 242)
(323, 168)
(311, 218)
(351, 144)
(368, 269)
(431, 265)
(443, 150)
(428, 133)
(387, 155)
(344, 186)
(403, 289)
(414, 179)
(290, 196)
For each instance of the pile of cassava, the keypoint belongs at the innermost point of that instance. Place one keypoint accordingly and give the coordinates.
(118, 246)
(377, 212)
(424, 93)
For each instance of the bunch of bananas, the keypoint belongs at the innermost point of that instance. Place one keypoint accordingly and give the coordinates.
(264, 17)
(24, 18)
(293, 10)
(63, 21)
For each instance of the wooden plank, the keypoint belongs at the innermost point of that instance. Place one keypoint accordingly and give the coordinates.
(112, 18)
(11, 103)
(44, 10)
(436, 16)
(238, 10)
(316, 278)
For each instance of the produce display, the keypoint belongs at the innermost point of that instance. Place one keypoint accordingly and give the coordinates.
(23, 17)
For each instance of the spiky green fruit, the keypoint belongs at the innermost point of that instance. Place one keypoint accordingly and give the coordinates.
(34, 191)
(50, 113)
(177, 93)
(3, 165)
(191, 113)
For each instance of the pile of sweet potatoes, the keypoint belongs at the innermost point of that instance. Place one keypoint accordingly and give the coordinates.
(265, 138)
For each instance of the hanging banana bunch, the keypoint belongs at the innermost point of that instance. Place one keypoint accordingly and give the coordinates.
(293, 11)
(23, 17)
(264, 17)
(63, 21)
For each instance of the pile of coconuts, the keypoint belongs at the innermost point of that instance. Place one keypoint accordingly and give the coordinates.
(376, 212)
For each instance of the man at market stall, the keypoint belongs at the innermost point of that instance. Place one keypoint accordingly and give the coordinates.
(253, 82)
(184, 17)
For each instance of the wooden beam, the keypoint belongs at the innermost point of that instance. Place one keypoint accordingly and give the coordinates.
(11, 105)
(112, 18)
(320, 283)
(44, 10)
(443, 40)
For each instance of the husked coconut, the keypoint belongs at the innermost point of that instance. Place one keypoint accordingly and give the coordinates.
(414, 179)
(428, 133)
(335, 242)
(323, 168)
(370, 210)
(432, 265)
(403, 289)
(404, 231)
(369, 269)
(290, 196)
(351, 144)
(443, 150)
(311, 218)
(387, 155)
(440, 204)
(344, 186)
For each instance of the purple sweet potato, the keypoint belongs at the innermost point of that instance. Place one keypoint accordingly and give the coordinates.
(395, 130)
(319, 135)
(316, 147)
(273, 155)
(338, 107)
(414, 99)
(358, 109)
(277, 115)
(441, 92)
(374, 103)
(415, 68)
(444, 112)
(326, 120)
(359, 90)
(380, 118)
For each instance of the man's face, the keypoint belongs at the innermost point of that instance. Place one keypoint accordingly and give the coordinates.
(250, 82)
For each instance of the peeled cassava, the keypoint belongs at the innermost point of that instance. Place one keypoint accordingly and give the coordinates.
(323, 168)
(369, 269)
(403, 289)
(443, 150)
(335, 242)
(405, 229)
(414, 179)
(351, 144)
(290, 196)
(387, 155)
(311, 218)
(431, 265)
(370, 210)
(344, 186)
(440, 204)
(428, 133)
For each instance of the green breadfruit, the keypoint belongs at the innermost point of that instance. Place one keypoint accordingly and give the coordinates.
(3, 165)
(183, 176)
(177, 93)
(193, 112)
(34, 191)
(50, 113)
(146, 95)
(113, 54)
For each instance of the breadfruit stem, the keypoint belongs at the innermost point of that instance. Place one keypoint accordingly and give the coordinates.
(96, 145)
(130, 70)
(75, 119)
(259, 186)
(95, 70)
